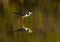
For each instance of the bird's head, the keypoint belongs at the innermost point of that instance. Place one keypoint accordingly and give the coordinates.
(29, 12)
(28, 30)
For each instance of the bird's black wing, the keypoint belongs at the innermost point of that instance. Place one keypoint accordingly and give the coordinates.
(21, 30)
(20, 13)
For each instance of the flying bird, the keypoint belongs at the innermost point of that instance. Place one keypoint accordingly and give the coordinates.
(23, 14)
(24, 29)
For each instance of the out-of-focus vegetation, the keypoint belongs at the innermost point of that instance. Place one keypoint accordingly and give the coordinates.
(44, 22)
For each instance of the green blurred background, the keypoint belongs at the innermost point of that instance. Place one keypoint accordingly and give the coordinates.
(44, 22)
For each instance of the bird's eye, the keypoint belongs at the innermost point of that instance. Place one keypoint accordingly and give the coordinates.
(27, 30)
(28, 14)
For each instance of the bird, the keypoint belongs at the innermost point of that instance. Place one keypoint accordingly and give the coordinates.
(24, 29)
(24, 14)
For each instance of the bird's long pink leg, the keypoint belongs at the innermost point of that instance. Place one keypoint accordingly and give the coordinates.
(20, 21)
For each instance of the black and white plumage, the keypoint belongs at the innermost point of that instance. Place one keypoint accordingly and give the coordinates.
(21, 30)
(23, 14)
(24, 29)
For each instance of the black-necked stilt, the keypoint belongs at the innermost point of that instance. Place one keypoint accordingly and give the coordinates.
(24, 29)
(23, 14)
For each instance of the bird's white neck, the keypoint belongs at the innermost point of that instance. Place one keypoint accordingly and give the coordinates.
(30, 13)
